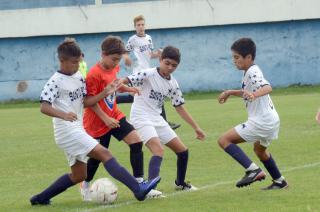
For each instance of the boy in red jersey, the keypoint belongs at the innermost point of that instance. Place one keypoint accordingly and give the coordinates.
(104, 119)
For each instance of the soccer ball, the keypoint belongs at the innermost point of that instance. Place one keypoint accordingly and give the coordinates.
(103, 191)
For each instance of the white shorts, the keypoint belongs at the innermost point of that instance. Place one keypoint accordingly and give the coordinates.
(75, 143)
(164, 133)
(251, 133)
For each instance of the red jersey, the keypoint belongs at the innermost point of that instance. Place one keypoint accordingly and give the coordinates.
(97, 79)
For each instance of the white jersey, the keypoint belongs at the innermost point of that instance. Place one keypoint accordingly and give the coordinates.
(142, 48)
(65, 93)
(261, 111)
(146, 108)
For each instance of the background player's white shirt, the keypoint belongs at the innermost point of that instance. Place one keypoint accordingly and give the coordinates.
(65, 93)
(146, 108)
(142, 48)
(261, 111)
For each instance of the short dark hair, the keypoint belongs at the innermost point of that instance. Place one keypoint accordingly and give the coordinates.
(112, 45)
(68, 48)
(171, 52)
(244, 47)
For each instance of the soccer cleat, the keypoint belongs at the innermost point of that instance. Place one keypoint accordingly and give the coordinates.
(145, 188)
(35, 200)
(276, 185)
(250, 177)
(154, 194)
(186, 186)
(173, 125)
(85, 191)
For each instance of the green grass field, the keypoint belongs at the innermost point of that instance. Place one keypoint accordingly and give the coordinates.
(30, 160)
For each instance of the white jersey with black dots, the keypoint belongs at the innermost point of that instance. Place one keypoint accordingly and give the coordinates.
(147, 107)
(65, 93)
(261, 111)
(142, 48)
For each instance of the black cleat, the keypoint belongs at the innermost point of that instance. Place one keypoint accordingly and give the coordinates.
(275, 185)
(35, 200)
(173, 125)
(250, 177)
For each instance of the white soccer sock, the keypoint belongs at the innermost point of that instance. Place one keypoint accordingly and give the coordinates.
(252, 167)
(279, 180)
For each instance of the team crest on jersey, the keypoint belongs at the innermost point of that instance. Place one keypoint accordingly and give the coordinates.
(109, 100)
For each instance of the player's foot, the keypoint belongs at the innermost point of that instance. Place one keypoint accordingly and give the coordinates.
(186, 186)
(251, 176)
(174, 125)
(139, 179)
(276, 185)
(145, 188)
(85, 191)
(154, 194)
(36, 200)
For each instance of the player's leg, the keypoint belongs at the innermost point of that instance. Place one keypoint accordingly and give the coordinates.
(171, 124)
(228, 142)
(129, 135)
(271, 166)
(121, 174)
(182, 153)
(78, 174)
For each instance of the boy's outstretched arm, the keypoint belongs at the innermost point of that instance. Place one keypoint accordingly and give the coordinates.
(89, 101)
(188, 118)
(223, 97)
(260, 92)
(108, 121)
(46, 108)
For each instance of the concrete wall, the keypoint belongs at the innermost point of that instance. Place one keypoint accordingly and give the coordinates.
(288, 53)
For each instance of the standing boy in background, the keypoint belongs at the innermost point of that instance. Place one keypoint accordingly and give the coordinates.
(63, 98)
(142, 46)
(263, 121)
(83, 69)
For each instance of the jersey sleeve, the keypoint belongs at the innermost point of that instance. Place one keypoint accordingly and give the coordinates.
(257, 80)
(151, 44)
(50, 91)
(176, 96)
(130, 45)
(137, 79)
(92, 85)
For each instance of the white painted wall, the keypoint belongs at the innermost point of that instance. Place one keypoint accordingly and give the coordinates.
(159, 14)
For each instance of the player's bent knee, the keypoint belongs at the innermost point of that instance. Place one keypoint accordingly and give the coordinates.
(223, 142)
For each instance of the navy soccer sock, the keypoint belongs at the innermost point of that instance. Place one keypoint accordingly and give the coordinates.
(154, 167)
(272, 168)
(238, 155)
(182, 163)
(136, 159)
(59, 186)
(121, 174)
(92, 167)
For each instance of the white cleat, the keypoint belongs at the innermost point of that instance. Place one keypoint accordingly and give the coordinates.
(155, 194)
(85, 191)
(186, 186)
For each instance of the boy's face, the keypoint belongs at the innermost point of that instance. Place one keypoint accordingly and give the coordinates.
(110, 61)
(242, 63)
(69, 65)
(140, 28)
(168, 66)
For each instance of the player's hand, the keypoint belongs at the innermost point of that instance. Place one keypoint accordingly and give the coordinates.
(111, 123)
(223, 97)
(135, 90)
(318, 117)
(112, 87)
(248, 95)
(200, 134)
(70, 117)
(128, 62)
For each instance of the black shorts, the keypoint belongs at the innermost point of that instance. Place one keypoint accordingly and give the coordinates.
(119, 133)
